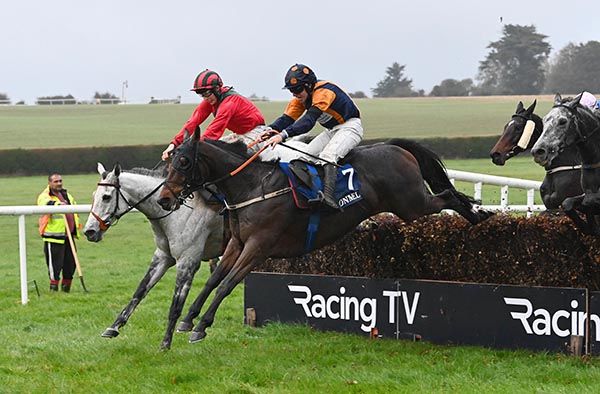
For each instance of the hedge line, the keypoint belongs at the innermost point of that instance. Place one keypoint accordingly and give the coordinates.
(540, 251)
(83, 160)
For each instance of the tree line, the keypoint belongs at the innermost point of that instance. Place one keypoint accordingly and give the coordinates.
(518, 63)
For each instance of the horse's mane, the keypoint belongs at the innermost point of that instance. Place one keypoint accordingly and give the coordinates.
(159, 171)
(238, 147)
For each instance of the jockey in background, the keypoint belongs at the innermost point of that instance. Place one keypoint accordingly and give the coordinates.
(324, 102)
(589, 100)
(231, 110)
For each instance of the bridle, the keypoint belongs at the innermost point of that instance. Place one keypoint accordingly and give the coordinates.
(516, 149)
(196, 182)
(114, 216)
(574, 114)
(581, 138)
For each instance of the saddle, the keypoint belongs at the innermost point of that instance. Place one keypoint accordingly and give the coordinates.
(307, 185)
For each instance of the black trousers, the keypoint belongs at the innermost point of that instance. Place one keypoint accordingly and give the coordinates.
(59, 258)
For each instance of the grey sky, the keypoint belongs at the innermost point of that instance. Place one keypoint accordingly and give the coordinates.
(79, 47)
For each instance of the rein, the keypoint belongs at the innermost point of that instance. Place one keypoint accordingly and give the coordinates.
(105, 224)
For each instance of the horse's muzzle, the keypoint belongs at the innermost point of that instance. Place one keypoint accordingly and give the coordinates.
(168, 203)
(93, 235)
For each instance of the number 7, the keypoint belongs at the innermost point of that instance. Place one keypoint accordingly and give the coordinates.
(350, 177)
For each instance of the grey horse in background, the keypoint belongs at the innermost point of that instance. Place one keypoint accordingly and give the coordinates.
(183, 238)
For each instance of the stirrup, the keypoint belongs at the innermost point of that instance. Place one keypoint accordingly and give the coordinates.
(317, 200)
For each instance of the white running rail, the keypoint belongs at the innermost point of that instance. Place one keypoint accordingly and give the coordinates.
(478, 181)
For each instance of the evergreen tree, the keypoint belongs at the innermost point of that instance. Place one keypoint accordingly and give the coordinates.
(394, 84)
(515, 63)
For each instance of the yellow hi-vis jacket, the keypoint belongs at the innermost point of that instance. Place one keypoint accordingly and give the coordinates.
(52, 227)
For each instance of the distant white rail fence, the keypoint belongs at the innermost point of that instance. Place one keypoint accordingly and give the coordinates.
(477, 179)
(505, 183)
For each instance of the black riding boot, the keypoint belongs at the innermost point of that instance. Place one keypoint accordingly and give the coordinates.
(329, 186)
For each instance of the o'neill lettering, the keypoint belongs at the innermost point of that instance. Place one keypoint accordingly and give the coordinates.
(562, 323)
(340, 307)
(348, 198)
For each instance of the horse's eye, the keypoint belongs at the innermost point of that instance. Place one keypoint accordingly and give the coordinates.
(183, 161)
(106, 197)
(562, 121)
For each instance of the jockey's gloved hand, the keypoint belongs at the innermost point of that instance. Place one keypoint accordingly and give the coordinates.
(167, 152)
(267, 134)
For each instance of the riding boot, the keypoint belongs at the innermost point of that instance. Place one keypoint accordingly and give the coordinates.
(329, 186)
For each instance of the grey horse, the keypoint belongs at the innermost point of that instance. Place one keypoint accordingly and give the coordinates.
(183, 238)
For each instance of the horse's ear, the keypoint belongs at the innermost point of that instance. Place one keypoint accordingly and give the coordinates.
(186, 134)
(557, 99)
(520, 107)
(197, 133)
(531, 107)
(101, 170)
(575, 102)
(117, 169)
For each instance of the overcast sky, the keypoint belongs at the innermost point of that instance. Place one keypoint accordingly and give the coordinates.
(78, 47)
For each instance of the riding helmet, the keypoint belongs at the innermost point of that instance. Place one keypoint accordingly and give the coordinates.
(207, 80)
(299, 74)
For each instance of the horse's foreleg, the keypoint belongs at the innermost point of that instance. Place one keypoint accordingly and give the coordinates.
(186, 269)
(233, 250)
(245, 263)
(570, 206)
(159, 265)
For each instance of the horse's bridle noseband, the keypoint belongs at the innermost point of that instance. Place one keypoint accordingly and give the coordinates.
(516, 149)
(105, 224)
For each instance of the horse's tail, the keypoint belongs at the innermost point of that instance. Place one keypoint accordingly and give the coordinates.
(432, 168)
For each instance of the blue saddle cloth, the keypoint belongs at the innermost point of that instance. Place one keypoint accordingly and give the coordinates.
(347, 185)
(306, 181)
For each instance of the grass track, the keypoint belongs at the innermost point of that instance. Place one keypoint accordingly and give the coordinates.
(53, 344)
(107, 125)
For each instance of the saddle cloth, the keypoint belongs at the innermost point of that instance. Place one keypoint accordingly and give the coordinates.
(306, 182)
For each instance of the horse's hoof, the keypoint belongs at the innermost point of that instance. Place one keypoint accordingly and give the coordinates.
(110, 333)
(185, 327)
(197, 336)
(164, 346)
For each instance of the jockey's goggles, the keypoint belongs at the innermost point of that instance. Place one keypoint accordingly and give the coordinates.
(296, 89)
(204, 93)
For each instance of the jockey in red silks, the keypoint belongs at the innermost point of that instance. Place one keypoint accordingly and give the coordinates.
(231, 110)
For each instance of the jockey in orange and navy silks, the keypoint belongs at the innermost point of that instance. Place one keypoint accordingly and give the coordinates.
(326, 103)
(231, 110)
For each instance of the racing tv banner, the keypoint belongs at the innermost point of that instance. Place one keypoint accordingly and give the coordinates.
(497, 316)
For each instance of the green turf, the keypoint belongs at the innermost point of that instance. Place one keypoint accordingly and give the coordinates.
(53, 344)
(108, 125)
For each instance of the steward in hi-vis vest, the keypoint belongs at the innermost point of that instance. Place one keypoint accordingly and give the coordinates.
(52, 228)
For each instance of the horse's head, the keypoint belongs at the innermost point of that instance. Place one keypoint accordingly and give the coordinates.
(518, 135)
(568, 123)
(184, 177)
(107, 206)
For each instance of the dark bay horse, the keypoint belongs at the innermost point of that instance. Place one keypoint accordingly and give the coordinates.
(392, 176)
(571, 124)
(563, 175)
(183, 239)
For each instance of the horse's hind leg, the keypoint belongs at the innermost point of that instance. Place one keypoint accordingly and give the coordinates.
(159, 265)
(233, 250)
(451, 199)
